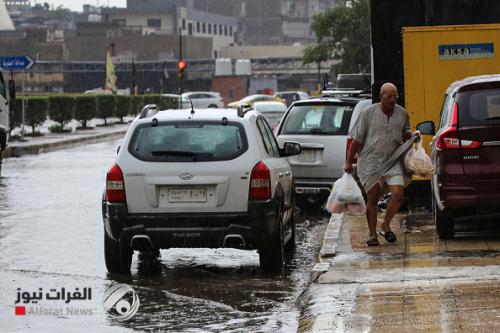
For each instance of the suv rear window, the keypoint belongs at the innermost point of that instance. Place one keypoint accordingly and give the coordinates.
(320, 119)
(188, 142)
(479, 107)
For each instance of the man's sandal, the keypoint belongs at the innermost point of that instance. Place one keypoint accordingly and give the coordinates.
(372, 242)
(389, 236)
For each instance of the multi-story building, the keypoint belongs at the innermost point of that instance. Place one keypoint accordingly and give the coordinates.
(171, 17)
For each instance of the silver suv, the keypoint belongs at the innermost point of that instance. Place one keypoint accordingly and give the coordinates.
(199, 178)
(321, 126)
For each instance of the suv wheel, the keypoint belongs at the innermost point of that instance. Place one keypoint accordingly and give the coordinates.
(118, 259)
(272, 249)
(445, 227)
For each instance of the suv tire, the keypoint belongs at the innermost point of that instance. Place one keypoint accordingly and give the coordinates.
(117, 258)
(272, 249)
(445, 227)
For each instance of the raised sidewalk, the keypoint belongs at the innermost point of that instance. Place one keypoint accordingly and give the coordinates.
(55, 141)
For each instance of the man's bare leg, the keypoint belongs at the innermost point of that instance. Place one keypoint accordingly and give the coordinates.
(371, 210)
(397, 192)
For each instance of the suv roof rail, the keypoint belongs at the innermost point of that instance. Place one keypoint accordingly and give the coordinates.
(148, 110)
(242, 109)
(345, 92)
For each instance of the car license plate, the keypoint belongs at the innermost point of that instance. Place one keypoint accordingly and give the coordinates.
(187, 195)
(306, 156)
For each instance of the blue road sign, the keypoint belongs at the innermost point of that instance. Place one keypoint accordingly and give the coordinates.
(16, 62)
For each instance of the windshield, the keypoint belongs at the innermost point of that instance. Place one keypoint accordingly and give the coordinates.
(188, 142)
(321, 119)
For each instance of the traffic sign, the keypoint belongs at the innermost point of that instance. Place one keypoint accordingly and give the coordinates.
(16, 62)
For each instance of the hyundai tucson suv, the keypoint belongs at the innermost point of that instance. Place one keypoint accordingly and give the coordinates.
(199, 178)
(466, 154)
(321, 126)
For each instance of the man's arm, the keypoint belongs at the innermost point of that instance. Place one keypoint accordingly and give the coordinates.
(353, 150)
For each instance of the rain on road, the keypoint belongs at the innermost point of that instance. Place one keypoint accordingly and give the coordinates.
(51, 237)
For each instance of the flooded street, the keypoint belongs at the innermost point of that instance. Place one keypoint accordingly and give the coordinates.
(51, 237)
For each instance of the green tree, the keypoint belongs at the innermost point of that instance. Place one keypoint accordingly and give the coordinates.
(343, 33)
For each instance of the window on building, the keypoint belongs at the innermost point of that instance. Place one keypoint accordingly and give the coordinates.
(210, 28)
(197, 26)
(183, 24)
(203, 28)
(190, 29)
(220, 29)
(230, 31)
(154, 23)
(225, 30)
(215, 54)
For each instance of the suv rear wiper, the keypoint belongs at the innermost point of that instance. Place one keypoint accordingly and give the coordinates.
(173, 153)
(493, 118)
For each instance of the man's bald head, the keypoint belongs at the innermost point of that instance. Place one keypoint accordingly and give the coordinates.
(387, 88)
(388, 97)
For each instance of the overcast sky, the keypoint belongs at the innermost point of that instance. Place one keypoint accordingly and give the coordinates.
(76, 5)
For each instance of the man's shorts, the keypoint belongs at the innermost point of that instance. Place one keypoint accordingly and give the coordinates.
(392, 180)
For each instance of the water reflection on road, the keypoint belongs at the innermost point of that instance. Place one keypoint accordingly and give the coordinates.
(51, 237)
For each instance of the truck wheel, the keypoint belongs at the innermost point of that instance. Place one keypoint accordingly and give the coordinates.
(117, 258)
(445, 227)
(272, 248)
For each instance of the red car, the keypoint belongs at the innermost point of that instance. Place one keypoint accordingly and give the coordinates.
(466, 153)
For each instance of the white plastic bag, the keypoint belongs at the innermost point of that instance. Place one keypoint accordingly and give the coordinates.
(346, 196)
(417, 161)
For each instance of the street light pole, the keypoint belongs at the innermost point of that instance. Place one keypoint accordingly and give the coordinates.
(179, 74)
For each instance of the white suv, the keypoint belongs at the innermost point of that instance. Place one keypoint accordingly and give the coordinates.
(202, 99)
(199, 178)
(321, 125)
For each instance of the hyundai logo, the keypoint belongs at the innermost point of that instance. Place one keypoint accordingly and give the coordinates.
(186, 176)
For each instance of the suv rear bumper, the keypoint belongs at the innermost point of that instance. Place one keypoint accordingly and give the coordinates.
(140, 231)
(311, 186)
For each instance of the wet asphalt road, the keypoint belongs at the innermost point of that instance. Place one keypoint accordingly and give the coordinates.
(51, 237)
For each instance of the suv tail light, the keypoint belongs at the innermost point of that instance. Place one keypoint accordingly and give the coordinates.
(260, 183)
(448, 139)
(115, 189)
(348, 146)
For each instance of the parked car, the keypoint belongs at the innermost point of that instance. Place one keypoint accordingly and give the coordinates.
(465, 151)
(272, 111)
(250, 99)
(202, 99)
(321, 126)
(291, 96)
(208, 178)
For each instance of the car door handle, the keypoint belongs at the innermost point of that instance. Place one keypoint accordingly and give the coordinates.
(312, 146)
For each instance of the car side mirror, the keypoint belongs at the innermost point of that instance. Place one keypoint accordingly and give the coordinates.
(290, 149)
(118, 149)
(426, 127)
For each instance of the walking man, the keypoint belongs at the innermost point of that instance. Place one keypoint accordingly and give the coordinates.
(378, 132)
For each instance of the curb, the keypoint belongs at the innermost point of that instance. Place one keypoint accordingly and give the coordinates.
(314, 322)
(329, 246)
(37, 148)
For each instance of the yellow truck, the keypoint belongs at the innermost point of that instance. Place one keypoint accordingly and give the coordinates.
(435, 56)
